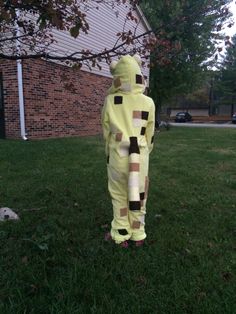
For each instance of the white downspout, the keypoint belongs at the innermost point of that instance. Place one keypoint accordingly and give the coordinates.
(20, 88)
(21, 100)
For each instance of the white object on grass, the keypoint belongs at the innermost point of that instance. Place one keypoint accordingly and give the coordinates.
(7, 214)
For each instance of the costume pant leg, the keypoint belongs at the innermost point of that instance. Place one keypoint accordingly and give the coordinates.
(137, 217)
(117, 185)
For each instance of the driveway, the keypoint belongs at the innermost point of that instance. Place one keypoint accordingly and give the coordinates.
(205, 125)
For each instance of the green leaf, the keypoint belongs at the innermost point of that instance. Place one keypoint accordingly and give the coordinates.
(74, 31)
(43, 246)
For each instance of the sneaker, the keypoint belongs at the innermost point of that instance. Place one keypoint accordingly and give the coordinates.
(139, 243)
(124, 244)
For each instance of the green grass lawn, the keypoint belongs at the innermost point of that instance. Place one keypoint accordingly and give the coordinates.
(55, 259)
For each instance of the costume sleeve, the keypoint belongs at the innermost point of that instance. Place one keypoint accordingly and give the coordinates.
(150, 128)
(106, 127)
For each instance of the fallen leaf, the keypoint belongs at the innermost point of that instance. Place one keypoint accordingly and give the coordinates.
(24, 260)
(142, 280)
(188, 251)
(227, 276)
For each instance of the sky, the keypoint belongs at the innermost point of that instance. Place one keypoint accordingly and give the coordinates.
(231, 31)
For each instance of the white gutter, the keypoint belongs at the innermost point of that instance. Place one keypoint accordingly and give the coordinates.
(143, 18)
(20, 88)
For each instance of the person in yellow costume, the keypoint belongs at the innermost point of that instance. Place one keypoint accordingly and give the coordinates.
(128, 121)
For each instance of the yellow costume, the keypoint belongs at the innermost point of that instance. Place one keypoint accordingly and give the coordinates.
(128, 121)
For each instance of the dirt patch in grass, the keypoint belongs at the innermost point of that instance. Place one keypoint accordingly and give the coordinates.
(228, 151)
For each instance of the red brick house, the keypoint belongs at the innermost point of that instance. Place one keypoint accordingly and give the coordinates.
(35, 100)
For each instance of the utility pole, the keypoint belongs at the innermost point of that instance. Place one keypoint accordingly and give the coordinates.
(211, 97)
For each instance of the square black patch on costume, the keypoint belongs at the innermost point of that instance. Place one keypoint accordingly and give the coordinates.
(143, 131)
(142, 196)
(118, 100)
(122, 232)
(133, 148)
(145, 115)
(139, 79)
(134, 205)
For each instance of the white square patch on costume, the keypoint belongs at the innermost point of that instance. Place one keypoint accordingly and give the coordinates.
(124, 149)
(134, 194)
(134, 179)
(134, 158)
(137, 123)
(126, 87)
(142, 219)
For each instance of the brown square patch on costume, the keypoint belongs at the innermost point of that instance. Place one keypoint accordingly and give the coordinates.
(133, 167)
(119, 137)
(117, 82)
(136, 224)
(123, 212)
(146, 186)
(137, 114)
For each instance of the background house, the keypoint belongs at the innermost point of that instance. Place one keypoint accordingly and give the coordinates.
(204, 103)
(40, 99)
(196, 103)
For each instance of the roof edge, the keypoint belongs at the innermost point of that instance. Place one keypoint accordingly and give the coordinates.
(143, 18)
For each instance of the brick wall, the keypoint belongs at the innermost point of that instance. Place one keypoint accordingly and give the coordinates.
(10, 94)
(59, 101)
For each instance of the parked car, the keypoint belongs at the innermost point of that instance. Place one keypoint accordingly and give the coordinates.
(234, 118)
(183, 117)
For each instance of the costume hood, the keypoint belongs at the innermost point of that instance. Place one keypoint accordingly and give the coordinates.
(127, 75)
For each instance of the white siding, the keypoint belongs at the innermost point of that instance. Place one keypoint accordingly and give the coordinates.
(8, 46)
(104, 25)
